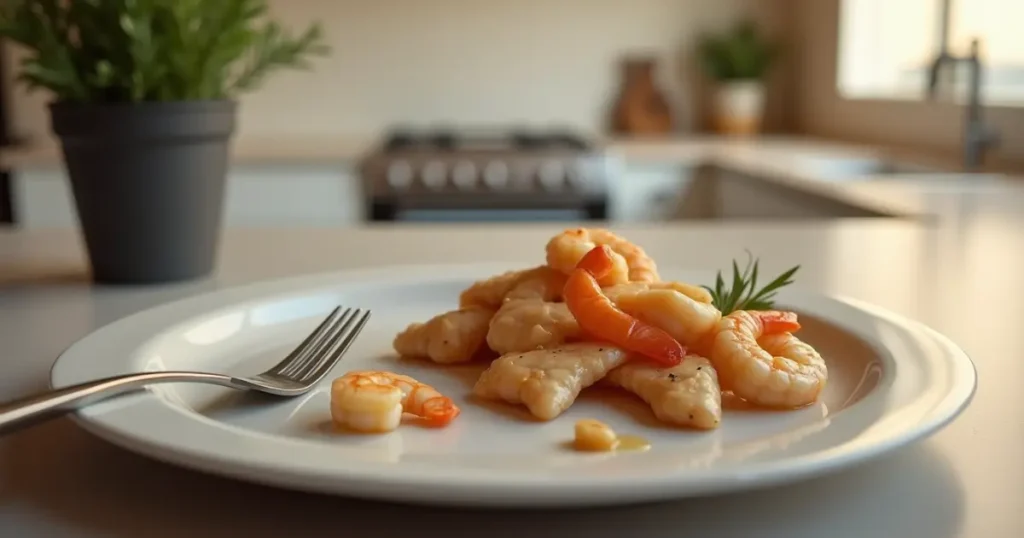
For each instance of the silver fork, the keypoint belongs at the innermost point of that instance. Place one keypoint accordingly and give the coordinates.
(299, 372)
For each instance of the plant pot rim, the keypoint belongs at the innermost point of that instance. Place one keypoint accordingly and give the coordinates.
(150, 105)
(150, 122)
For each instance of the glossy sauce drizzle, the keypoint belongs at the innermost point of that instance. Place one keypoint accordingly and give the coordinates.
(632, 442)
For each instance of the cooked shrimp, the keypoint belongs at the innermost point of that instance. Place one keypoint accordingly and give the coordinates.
(373, 401)
(447, 338)
(600, 318)
(547, 381)
(685, 395)
(759, 360)
(541, 282)
(525, 325)
(667, 308)
(565, 250)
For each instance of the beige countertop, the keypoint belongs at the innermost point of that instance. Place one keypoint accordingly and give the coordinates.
(957, 276)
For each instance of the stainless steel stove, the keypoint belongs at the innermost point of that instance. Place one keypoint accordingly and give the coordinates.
(477, 175)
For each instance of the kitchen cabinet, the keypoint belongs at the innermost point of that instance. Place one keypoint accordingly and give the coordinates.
(278, 195)
(294, 195)
(42, 198)
(648, 192)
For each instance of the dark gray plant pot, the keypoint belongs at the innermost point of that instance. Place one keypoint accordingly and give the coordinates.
(148, 182)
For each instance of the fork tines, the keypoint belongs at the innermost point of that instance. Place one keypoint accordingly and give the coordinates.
(322, 349)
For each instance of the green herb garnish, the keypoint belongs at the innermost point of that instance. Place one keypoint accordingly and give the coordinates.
(129, 51)
(743, 293)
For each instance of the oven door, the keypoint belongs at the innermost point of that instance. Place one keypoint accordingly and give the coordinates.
(524, 208)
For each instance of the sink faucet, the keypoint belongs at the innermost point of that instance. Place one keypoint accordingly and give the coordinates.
(977, 136)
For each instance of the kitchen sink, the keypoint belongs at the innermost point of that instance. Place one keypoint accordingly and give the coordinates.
(908, 174)
(953, 181)
(860, 168)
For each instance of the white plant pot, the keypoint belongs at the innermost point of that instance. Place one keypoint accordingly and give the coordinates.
(739, 107)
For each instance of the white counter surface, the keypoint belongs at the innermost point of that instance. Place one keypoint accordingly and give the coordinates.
(961, 276)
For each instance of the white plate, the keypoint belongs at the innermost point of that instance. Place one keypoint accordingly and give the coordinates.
(892, 382)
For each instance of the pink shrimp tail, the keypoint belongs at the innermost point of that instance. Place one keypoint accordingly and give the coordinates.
(440, 411)
(776, 321)
(598, 261)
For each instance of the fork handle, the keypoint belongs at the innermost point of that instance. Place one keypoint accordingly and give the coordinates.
(31, 410)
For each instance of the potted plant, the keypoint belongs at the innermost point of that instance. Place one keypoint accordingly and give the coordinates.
(738, 61)
(143, 104)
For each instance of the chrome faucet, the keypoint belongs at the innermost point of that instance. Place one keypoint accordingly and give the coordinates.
(977, 136)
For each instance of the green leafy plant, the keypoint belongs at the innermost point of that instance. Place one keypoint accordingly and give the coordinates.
(739, 54)
(110, 51)
(743, 293)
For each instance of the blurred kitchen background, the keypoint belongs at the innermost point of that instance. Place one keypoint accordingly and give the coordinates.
(477, 110)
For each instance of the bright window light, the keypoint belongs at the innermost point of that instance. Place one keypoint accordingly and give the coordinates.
(886, 47)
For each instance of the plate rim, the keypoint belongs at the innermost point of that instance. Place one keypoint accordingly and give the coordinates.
(518, 493)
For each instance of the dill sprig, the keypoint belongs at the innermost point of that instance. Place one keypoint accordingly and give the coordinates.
(743, 293)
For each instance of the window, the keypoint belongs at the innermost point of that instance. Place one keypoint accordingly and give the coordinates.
(886, 47)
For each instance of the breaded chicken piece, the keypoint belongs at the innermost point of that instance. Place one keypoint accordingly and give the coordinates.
(447, 338)
(527, 325)
(548, 381)
(542, 283)
(686, 395)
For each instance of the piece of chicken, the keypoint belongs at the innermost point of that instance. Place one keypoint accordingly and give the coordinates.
(527, 325)
(548, 381)
(447, 338)
(686, 395)
(540, 283)
(543, 283)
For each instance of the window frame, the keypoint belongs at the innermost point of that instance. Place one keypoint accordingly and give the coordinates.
(957, 94)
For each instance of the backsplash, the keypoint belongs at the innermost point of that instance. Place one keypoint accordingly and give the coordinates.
(534, 62)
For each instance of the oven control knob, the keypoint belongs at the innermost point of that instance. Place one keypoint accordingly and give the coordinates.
(552, 175)
(399, 175)
(496, 175)
(577, 175)
(464, 175)
(434, 175)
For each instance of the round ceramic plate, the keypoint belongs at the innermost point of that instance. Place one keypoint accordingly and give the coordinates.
(892, 381)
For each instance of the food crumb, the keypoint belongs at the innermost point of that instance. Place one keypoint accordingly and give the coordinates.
(594, 436)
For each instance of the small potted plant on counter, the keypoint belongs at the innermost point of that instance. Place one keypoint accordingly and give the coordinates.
(143, 104)
(738, 61)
